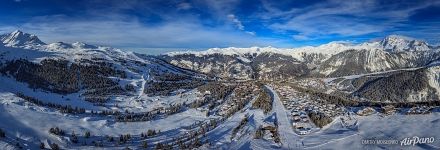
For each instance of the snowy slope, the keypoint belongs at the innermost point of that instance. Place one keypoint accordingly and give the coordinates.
(392, 43)
(28, 124)
(137, 69)
(332, 59)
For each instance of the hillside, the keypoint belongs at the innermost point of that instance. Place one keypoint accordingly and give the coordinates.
(82, 96)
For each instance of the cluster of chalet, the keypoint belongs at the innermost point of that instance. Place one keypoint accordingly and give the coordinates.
(299, 104)
(419, 110)
(296, 101)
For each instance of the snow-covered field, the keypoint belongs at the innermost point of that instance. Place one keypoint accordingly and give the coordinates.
(29, 124)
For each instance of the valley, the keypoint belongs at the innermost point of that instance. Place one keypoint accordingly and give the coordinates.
(80, 96)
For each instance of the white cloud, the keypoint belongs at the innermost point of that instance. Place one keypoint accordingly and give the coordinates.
(239, 25)
(237, 22)
(184, 6)
(131, 33)
(300, 37)
(251, 33)
(340, 17)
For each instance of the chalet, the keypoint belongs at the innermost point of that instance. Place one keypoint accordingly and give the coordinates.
(389, 109)
(366, 111)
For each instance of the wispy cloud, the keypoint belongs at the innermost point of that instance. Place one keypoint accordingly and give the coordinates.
(343, 18)
(214, 23)
(239, 25)
(132, 33)
(184, 6)
(236, 21)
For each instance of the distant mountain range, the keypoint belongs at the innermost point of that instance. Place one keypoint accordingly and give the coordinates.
(394, 69)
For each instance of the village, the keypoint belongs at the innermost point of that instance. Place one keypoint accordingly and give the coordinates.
(300, 107)
(390, 110)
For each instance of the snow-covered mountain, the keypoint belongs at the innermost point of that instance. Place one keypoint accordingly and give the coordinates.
(20, 39)
(97, 73)
(395, 43)
(82, 96)
(54, 66)
(332, 59)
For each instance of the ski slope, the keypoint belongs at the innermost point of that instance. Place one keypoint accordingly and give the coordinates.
(289, 139)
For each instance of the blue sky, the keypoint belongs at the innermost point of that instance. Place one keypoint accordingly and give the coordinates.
(153, 26)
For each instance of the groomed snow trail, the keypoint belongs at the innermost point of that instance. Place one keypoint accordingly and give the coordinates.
(143, 82)
(289, 139)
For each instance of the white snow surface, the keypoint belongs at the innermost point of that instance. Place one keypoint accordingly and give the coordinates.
(392, 43)
(29, 123)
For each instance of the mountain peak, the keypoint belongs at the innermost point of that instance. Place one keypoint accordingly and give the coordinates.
(396, 43)
(83, 45)
(17, 32)
(398, 37)
(19, 38)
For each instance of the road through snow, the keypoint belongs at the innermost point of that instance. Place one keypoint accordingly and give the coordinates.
(289, 139)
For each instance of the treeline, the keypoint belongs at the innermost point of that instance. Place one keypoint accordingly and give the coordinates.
(57, 131)
(349, 101)
(137, 117)
(62, 108)
(218, 90)
(167, 76)
(264, 101)
(50, 75)
(64, 77)
(166, 82)
(192, 139)
(165, 88)
(243, 94)
(319, 119)
(65, 108)
(150, 115)
(149, 133)
(339, 100)
(398, 87)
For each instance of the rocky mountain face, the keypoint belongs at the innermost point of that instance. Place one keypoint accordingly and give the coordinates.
(96, 73)
(354, 62)
(265, 65)
(351, 65)
(395, 43)
(408, 85)
(329, 60)
(20, 39)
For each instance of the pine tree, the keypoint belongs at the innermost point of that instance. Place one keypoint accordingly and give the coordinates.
(110, 139)
(42, 146)
(159, 146)
(18, 145)
(87, 134)
(54, 146)
(2, 133)
(144, 144)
